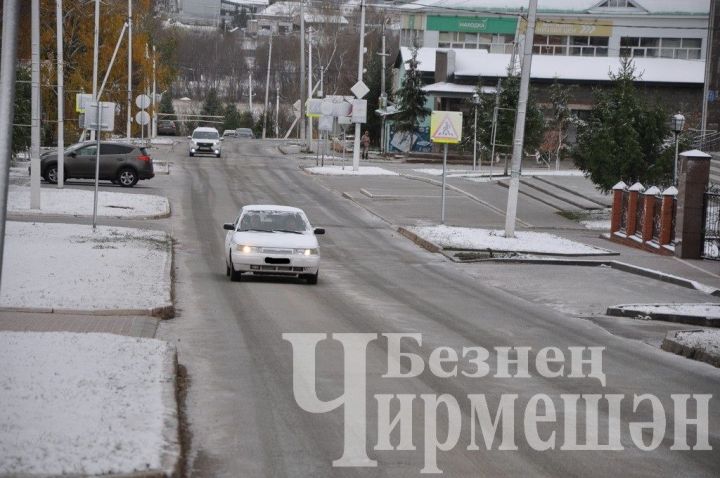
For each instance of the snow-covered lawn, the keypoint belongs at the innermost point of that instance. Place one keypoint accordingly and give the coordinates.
(551, 172)
(348, 171)
(710, 310)
(79, 202)
(452, 237)
(86, 404)
(597, 225)
(67, 266)
(705, 340)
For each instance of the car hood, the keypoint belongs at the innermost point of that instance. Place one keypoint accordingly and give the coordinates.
(276, 239)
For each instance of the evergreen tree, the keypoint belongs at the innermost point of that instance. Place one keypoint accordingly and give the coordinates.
(625, 138)
(232, 117)
(505, 127)
(212, 105)
(246, 120)
(411, 98)
(166, 106)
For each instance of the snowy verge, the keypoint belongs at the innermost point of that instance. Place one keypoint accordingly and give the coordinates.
(702, 345)
(86, 404)
(79, 202)
(67, 266)
(348, 171)
(708, 310)
(597, 225)
(465, 238)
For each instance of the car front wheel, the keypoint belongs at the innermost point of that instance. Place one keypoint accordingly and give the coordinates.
(234, 275)
(312, 279)
(127, 177)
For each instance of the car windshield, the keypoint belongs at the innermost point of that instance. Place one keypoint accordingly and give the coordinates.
(273, 221)
(205, 135)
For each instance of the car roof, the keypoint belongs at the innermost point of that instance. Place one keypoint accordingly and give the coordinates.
(205, 128)
(271, 207)
(244, 130)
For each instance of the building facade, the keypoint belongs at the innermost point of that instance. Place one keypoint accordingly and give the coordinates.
(576, 42)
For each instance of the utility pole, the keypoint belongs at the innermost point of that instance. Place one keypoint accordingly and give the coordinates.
(302, 70)
(8, 56)
(267, 88)
(250, 95)
(129, 87)
(310, 89)
(277, 109)
(35, 106)
(96, 52)
(61, 95)
(514, 188)
(153, 123)
(383, 95)
(358, 126)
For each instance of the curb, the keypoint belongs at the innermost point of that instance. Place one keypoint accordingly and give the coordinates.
(670, 344)
(35, 215)
(164, 312)
(425, 244)
(678, 318)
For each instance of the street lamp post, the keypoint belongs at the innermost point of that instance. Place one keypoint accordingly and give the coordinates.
(476, 102)
(677, 123)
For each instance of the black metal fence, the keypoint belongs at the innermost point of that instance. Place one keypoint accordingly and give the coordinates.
(711, 223)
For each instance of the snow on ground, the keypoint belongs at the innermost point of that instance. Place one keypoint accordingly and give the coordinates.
(68, 266)
(452, 237)
(79, 202)
(597, 225)
(84, 404)
(348, 171)
(710, 310)
(706, 340)
(162, 140)
(479, 175)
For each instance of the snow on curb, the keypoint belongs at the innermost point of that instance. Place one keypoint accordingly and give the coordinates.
(465, 238)
(348, 171)
(79, 202)
(707, 314)
(702, 345)
(70, 269)
(87, 404)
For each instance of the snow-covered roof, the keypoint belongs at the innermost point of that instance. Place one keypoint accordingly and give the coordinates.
(475, 63)
(270, 207)
(248, 3)
(445, 87)
(655, 7)
(281, 9)
(321, 18)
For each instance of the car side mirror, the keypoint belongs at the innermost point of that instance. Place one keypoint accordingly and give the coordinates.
(319, 230)
(229, 226)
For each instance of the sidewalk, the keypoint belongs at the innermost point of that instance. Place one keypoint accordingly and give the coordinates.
(413, 199)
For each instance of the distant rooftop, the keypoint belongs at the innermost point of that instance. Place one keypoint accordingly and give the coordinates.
(653, 7)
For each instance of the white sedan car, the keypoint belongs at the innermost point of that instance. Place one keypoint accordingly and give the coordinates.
(272, 240)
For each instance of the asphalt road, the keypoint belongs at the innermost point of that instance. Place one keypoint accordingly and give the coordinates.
(242, 413)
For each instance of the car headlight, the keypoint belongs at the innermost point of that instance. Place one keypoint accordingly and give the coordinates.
(246, 249)
(306, 252)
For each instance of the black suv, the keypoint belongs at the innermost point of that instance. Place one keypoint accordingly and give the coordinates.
(121, 163)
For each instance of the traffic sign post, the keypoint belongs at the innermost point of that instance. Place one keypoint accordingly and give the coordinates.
(445, 128)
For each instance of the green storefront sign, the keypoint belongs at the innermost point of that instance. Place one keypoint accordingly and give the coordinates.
(472, 24)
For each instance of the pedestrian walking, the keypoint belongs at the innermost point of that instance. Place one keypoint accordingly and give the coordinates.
(365, 144)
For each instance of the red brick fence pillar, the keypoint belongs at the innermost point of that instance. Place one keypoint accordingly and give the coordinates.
(634, 192)
(616, 219)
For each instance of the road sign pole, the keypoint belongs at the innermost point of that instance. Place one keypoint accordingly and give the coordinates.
(444, 174)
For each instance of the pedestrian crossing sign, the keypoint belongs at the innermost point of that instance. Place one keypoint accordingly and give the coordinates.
(446, 127)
